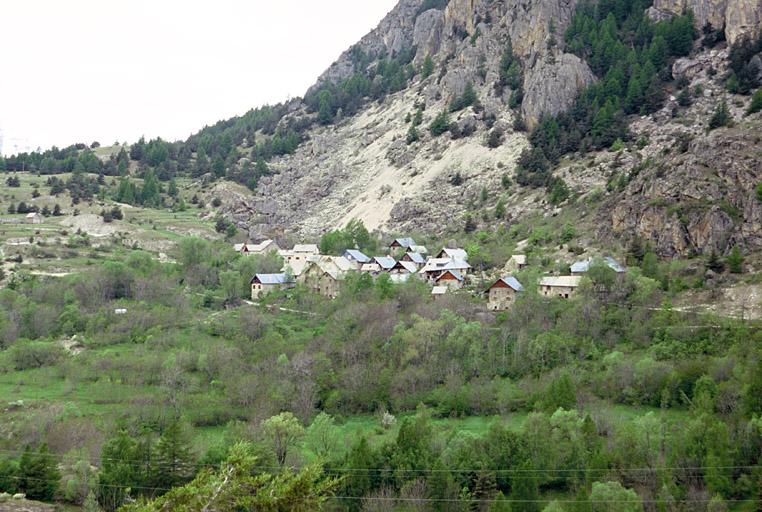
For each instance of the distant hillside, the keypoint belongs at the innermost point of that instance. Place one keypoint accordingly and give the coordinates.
(533, 104)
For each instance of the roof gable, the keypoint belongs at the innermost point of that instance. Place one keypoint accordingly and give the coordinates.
(508, 282)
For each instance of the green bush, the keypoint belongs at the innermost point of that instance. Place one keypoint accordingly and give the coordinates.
(35, 354)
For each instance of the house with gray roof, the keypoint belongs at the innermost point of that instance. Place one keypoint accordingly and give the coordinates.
(402, 243)
(262, 284)
(356, 257)
(502, 294)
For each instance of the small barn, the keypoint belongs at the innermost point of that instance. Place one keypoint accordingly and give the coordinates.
(502, 294)
(560, 286)
(452, 279)
(262, 284)
(439, 291)
(33, 218)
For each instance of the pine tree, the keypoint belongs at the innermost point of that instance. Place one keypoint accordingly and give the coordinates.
(440, 124)
(38, 474)
(428, 67)
(412, 135)
(735, 261)
(525, 492)
(756, 103)
(721, 116)
(57, 210)
(174, 456)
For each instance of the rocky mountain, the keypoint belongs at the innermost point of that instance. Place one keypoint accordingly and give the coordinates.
(699, 198)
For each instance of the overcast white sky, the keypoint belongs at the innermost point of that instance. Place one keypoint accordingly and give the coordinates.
(108, 70)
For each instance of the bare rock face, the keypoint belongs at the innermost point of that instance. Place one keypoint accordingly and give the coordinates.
(739, 17)
(551, 87)
(697, 202)
(393, 34)
(427, 34)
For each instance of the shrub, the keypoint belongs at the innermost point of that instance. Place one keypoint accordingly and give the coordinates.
(495, 138)
(756, 103)
(440, 124)
(721, 116)
(34, 354)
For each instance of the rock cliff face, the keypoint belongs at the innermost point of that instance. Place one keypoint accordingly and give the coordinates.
(739, 17)
(470, 36)
(685, 191)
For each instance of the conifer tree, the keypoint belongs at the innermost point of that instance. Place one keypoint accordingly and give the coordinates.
(174, 457)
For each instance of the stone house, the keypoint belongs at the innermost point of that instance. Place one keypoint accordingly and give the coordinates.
(452, 279)
(260, 248)
(560, 286)
(403, 267)
(415, 258)
(453, 254)
(33, 218)
(518, 261)
(322, 278)
(502, 294)
(402, 243)
(439, 291)
(299, 254)
(262, 284)
(436, 266)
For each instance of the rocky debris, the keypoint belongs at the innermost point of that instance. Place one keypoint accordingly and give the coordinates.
(739, 17)
(19, 503)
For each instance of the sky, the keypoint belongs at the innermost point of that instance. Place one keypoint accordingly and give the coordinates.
(115, 70)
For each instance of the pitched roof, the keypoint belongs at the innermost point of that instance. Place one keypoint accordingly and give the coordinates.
(262, 246)
(405, 242)
(342, 263)
(561, 281)
(272, 278)
(439, 264)
(310, 248)
(457, 275)
(32, 214)
(407, 265)
(456, 254)
(370, 267)
(356, 255)
(420, 249)
(511, 282)
(386, 262)
(584, 265)
(439, 290)
(416, 258)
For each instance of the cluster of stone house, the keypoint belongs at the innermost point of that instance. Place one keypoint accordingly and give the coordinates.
(303, 264)
(445, 271)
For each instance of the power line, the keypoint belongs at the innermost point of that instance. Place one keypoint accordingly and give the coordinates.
(435, 500)
(341, 470)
